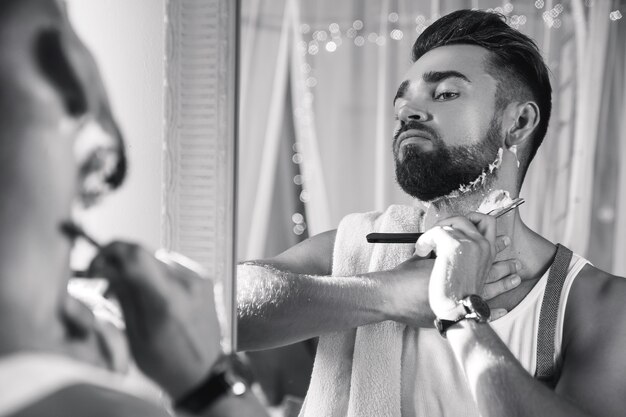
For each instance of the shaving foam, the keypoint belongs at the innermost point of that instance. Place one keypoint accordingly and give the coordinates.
(513, 150)
(494, 200)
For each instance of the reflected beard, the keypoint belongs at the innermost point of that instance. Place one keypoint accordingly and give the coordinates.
(437, 173)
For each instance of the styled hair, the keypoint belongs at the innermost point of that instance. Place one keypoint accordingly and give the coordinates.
(514, 61)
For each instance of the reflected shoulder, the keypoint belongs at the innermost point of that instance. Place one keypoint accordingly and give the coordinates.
(312, 256)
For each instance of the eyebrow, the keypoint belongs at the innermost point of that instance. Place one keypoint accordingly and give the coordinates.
(438, 76)
(430, 77)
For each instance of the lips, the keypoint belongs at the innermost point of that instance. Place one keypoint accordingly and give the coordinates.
(412, 136)
(413, 133)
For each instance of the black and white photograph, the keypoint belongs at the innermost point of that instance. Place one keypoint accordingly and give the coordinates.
(313, 208)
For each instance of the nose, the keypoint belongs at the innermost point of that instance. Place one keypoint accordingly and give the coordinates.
(411, 113)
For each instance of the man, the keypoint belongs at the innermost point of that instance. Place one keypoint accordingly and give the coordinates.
(472, 111)
(60, 146)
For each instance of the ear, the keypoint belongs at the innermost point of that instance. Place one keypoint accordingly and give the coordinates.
(55, 65)
(523, 119)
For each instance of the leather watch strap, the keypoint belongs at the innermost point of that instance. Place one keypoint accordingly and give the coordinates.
(228, 377)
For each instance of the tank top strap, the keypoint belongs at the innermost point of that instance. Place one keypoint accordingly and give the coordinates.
(546, 331)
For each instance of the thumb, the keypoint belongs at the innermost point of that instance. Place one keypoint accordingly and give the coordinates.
(426, 243)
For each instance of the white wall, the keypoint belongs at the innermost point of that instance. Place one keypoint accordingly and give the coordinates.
(127, 39)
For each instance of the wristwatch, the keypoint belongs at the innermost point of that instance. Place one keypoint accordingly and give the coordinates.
(475, 309)
(228, 376)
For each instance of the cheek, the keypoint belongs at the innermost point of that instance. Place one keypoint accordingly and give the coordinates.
(465, 125)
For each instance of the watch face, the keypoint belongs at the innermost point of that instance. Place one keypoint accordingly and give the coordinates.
(479, 306)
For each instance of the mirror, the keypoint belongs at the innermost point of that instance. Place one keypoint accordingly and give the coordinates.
(317, 80)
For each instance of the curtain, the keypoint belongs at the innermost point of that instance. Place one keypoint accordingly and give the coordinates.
(340, 63)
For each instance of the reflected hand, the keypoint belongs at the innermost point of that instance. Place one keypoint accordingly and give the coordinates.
(93, 339)
(169, 312)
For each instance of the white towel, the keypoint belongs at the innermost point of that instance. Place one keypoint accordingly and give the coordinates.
(358, 372)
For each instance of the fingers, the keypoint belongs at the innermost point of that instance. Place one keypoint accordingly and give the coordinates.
(124, 261)
(492, 290)
(502, 242)
(485, 224)
(502, 269)
(78, 316)
(461, 223)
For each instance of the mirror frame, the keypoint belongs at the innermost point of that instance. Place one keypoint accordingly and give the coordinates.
(200, 142)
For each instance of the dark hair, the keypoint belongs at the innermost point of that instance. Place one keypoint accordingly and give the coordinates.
(515, 61)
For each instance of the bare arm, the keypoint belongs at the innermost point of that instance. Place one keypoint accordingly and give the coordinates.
(592, 377)
(499, 384)
(292, 297)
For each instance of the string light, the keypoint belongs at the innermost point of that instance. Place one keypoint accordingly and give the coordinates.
(615, 15)
(320, 35)
(297, 218)
(396, 34)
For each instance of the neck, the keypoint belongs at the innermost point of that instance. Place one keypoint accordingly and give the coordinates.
(34, 269)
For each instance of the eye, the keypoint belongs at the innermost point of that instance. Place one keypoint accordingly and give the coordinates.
(446, 95)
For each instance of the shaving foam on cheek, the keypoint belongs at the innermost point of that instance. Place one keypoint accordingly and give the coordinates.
(482, 178)
(496, 164)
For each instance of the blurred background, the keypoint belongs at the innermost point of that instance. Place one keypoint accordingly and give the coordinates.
(317, 81)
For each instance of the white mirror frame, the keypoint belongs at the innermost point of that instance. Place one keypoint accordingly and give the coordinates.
(199, 152)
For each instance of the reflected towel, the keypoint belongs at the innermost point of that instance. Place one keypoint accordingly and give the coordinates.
(358, 372)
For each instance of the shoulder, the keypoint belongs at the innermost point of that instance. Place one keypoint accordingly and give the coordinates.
(595, 315)
(594, 334)
(91, 401)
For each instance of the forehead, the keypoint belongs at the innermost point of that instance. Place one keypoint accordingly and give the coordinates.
(469, 60)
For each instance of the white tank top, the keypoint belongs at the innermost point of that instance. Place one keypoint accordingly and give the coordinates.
(433, 383)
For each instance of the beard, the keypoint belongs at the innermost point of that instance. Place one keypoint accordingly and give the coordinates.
(430, 175)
